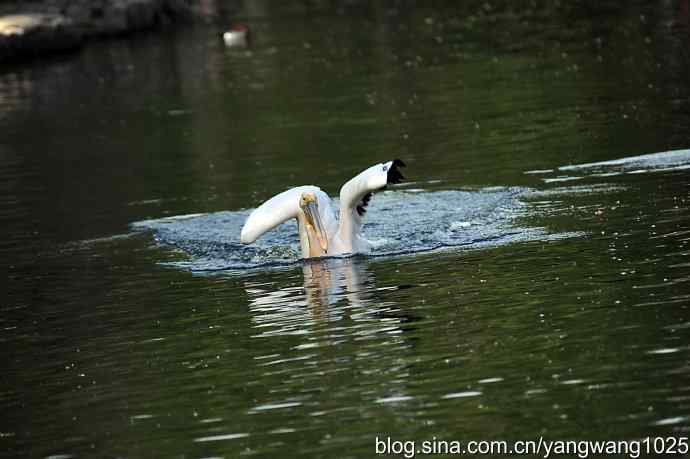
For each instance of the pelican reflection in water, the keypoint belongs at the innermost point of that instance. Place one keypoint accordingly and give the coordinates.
(319, 333)
(332, 289)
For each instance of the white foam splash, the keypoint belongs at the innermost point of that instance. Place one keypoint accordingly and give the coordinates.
(398, 223)
(668, 160)
(665, 161)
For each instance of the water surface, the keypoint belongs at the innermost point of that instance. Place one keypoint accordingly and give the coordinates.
(546, 205)
(398, 223)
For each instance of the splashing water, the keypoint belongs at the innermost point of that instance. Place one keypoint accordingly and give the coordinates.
(398, 222)
(664, 161)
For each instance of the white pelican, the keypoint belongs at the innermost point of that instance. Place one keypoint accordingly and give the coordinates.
(321, 233)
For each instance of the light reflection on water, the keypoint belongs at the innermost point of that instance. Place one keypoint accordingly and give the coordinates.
(113, 347)
(337, 304)
(299, 308)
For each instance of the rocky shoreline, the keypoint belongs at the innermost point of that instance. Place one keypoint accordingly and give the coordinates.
(38, 27)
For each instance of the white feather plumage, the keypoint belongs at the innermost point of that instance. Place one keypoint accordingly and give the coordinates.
(344, 234)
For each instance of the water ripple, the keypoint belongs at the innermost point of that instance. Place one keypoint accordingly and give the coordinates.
(398, 223)
(675, 160)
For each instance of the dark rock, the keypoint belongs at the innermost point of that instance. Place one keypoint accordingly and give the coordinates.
(141, 15)
(110, 17)
(29, 28)
(32, 34)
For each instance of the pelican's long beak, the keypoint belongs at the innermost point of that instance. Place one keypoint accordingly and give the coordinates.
(311, 211)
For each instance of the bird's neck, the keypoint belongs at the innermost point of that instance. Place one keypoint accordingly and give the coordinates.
(347, 229)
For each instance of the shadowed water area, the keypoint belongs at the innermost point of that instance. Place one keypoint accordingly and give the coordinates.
(530, 277)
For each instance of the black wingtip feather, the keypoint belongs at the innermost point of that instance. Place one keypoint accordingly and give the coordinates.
(361, 208)
(394, 175)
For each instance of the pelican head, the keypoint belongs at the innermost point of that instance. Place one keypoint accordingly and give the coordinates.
(314, 226)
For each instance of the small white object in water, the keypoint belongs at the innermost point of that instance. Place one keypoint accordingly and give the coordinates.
(238, 36)
(468, 393)
(538, 171)
(459, 225)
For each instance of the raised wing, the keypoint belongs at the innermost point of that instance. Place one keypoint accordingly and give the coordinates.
(356, 193)
(279, 209)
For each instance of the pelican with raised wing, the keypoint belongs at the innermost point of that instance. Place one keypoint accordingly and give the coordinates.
(321, 232)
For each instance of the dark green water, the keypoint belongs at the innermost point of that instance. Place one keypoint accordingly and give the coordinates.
(109, 350)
